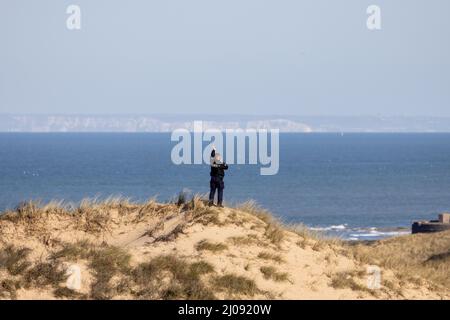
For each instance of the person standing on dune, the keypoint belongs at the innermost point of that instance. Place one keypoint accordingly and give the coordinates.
(217, 174)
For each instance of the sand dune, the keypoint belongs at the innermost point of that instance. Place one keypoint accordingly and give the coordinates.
(190, 251)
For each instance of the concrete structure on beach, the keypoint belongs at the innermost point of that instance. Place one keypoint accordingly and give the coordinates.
(432, 226)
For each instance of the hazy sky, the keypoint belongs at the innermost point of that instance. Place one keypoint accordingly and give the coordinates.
(302, 57)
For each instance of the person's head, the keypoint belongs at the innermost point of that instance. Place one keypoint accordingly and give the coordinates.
(218, 158)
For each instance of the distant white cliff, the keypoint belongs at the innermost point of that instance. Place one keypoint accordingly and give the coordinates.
(168, 123)
(54, 123)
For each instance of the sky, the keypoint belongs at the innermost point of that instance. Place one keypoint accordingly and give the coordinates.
(256, 57)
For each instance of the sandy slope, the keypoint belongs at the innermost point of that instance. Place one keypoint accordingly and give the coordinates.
(308, 268)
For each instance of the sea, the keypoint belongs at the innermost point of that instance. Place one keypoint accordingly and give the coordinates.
(358, 186)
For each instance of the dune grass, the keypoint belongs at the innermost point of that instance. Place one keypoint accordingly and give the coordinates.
(273, 228)
(414, 259)
(92, 214)
(411, 257)
(235, 285)
(74, 251)
(172, 234)
(206, 245)
(201, 267)
(248, 240)
(16, 263)
(270, 272)
(46, 273)
(346, 280)
(8, 289)
(253, 208)
(14, 260)
(270, 256)
(107, 263)
(207, 216)
(64, 292)
(182, 279)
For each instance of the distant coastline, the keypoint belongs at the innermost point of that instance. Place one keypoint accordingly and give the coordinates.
(168, 123)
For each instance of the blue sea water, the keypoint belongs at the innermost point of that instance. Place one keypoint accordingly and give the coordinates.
(362, 186)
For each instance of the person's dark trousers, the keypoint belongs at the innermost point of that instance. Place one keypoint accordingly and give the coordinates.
(216, 183)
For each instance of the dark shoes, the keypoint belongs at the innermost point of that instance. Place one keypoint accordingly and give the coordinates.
(211, 204)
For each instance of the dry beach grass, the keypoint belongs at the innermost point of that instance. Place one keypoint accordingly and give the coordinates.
(187, 250)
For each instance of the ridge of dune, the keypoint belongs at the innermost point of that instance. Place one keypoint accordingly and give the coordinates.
(185, 250)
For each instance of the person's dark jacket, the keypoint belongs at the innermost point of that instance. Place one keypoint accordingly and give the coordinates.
(217, 169)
